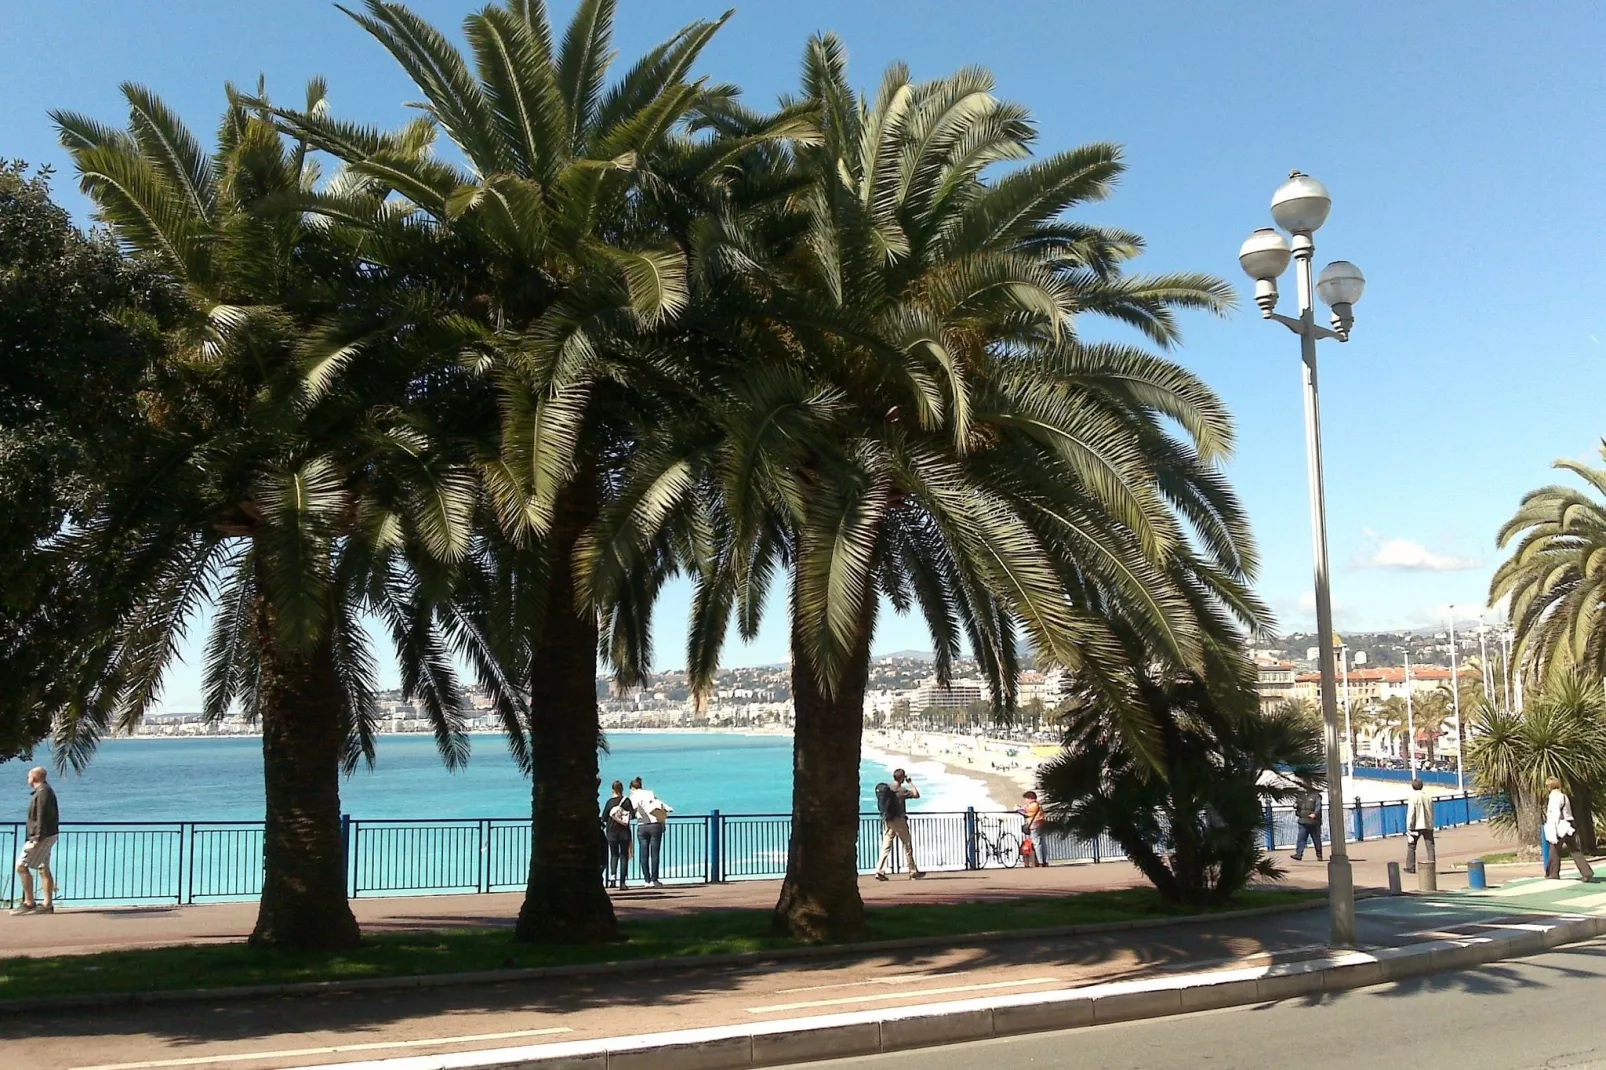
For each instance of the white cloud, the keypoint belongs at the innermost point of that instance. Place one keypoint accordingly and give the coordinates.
(1403, 555)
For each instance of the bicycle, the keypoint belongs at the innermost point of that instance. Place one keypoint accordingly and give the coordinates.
(1002, 846)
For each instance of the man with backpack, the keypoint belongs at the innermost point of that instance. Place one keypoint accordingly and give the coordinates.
(890, 799)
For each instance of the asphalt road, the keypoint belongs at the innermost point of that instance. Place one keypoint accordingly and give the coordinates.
(1527, 1014)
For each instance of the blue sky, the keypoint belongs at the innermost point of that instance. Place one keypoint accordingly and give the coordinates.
(1462, 143)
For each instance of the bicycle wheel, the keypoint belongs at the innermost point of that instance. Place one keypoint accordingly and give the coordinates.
(1009, 850)
(984, 850)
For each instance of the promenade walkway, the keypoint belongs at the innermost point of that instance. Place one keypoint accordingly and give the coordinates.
(287, 1031)
(90, 929)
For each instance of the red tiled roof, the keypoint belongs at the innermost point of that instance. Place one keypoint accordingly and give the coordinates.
(1389, 676)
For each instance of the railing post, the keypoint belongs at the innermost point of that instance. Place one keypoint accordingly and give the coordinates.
(1271, 830)
(714, 867)
(345, 854)
(970, 837)
(185, 892)
(1360, 821)
(485, 854)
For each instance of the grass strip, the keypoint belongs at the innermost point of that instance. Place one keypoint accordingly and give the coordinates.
(448, 951)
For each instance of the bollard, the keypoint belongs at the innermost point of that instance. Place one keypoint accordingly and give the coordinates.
(1427, 877)
(1477, 880)
(1394, 878)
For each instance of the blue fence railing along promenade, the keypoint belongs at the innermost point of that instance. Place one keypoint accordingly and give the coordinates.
(112, 862)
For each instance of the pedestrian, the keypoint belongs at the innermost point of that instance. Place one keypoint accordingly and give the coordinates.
(616, 815)
(890, 800)
(1036, 842)
(44, 825)
(1308, 815)
(1562, 834)
(1418, 825)
(652, 817)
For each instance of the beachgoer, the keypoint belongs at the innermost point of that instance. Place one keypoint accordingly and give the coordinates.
(1308, 815)
(1418, 825)
(44, 825)
(652, 816)
(1562, 834)
(1032, 811)
(616, 814)
(890, 799)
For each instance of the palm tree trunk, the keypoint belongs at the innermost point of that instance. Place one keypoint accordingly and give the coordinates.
(1584, 819)
(564, 901)
(304, 901)
(1530, 814)
(820, 896)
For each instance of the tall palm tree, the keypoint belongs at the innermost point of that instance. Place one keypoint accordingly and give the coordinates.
(1431, 713)
(557, 263)
(911, 416)
(1556, 575)
(297, 511)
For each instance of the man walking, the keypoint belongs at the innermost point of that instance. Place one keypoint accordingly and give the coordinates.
(44, 821)
(1308, 814)
(890, 800)
(1418, 825)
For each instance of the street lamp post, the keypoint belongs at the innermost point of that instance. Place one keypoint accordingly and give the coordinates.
(1455, 696)
(1349, 730)
(1300, 207)
(1410, 715)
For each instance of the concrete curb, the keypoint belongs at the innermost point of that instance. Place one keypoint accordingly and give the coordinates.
(843, 1036)
(605, 969)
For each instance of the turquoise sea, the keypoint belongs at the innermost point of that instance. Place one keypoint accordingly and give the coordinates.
(220, 779)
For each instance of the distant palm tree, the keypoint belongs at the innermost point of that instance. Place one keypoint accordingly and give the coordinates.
(1556, 576)
(299, 510)
(1432, 712)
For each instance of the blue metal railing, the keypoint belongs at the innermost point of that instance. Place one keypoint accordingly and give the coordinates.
(108, 862)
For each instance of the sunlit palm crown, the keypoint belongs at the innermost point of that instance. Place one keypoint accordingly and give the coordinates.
(322, 504)
(904, 405)
(1556, 575)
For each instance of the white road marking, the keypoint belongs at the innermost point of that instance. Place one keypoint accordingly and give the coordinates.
(294, 1053)
(843, 1001)
(904, 979)
(1519, 887)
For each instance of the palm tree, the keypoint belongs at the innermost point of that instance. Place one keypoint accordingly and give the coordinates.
(909, 415)
(298, 510)
(1196, 830)
(556, 255)
(1561, 733)
(1431, 713)
(1555, 577)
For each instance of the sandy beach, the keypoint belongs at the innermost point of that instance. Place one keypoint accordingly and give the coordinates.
(999, 769)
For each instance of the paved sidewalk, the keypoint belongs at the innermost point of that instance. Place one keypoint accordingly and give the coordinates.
(281, 1032)
(90, 929)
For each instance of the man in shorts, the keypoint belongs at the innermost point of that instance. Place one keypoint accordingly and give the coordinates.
(44, 821)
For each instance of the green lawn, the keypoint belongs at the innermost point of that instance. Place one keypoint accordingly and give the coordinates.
(465, 950)
(1498, 857)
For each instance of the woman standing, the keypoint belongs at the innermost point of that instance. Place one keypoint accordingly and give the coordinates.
(616, 814)
(652, 816)
(1562, 834)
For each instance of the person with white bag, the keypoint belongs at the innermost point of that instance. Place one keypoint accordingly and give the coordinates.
(1562, 834)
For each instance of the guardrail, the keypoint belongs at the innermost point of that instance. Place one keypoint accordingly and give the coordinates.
(108, 862)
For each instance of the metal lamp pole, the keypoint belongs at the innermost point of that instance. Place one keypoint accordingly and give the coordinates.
(1455, 696)
(1349, 731)
(1300, 207)
(1410, 715)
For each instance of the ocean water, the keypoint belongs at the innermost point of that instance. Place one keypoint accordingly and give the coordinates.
(220, 779)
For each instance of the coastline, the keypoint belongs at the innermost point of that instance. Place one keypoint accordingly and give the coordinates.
(987, 774)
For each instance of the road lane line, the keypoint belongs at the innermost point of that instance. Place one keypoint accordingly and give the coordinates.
(843, 1001)
(910, 979)
(295, 1053)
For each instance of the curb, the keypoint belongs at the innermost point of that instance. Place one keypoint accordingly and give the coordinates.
(842, 1036)
(606, 969)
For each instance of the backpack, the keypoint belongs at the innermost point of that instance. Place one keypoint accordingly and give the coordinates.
(888, 801)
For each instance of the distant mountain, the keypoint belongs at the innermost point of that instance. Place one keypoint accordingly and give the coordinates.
(907, 655)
